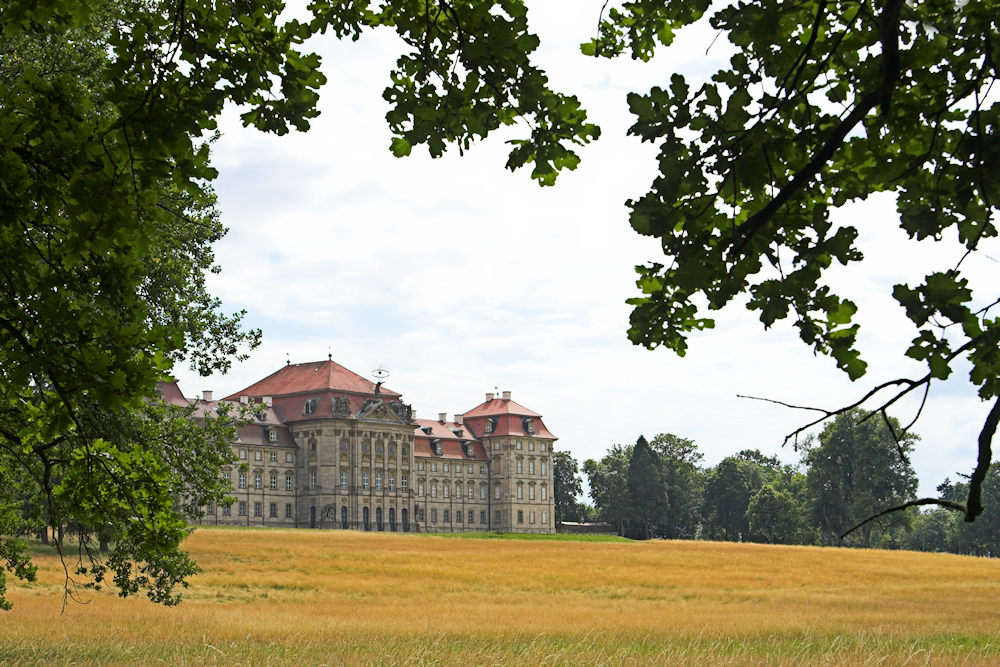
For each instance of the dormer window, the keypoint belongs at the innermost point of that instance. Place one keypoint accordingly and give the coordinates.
(272, 435)
(490, 425)
(426, 429)
(310, 406)
(436, 446)
(529, 425)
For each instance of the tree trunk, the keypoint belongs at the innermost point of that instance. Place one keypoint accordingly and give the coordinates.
(59, 535)
(43, 534)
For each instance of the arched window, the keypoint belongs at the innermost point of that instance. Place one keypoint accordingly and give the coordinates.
(365, 519)
(378, 518)
(406, 451)
(343, 516)
(406, 520)
(392, 519)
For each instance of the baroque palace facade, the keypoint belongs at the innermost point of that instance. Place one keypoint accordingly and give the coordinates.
(330, 449)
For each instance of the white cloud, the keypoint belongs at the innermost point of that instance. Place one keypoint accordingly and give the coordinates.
(459, 276)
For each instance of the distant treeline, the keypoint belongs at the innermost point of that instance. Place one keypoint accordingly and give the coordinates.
(851, 471)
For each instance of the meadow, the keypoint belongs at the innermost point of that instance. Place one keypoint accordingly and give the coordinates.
(324, 597)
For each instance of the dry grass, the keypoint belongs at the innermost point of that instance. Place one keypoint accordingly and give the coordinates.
(286, 596)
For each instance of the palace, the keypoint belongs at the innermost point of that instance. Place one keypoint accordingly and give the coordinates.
(330, 449)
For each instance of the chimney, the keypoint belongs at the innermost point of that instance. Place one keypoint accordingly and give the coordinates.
(244, 400)
(489, 396)
(206, 395)
(267, 401)
(459, 419)
(413, 414)
(442, 417)
(506, 396)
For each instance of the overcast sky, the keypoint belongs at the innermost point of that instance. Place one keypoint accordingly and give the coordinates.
(460, 277)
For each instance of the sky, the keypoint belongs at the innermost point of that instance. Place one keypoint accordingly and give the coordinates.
(460, 277)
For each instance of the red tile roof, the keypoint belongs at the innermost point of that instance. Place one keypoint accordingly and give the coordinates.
(451, 442)
(311, 377)
(500, 406)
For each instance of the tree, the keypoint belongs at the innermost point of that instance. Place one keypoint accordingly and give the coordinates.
(645, 488)
(824, 103)
(682, 482)
(608, 481)
(853, 471)
(567, 486)
(775, 515)
(728, 489)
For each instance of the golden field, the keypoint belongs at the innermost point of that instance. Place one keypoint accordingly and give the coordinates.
(312, 597)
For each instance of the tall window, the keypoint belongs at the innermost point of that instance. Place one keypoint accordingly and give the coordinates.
(482, 516)
(243, 508)
(472, 516)
(444, 467)
(272, 510)
(420, 465)
(243, 480)
(364, 480)
(520, 466)
(378, 481)
(520, 516)
(420, 489)
(288, 510)
(343, 479)
(545, 492)
(458, 516)
(228, 477)
(545, 517)
(273, 480)
(496, 492)
(531, 466)
(472, 491)
(520, 491)
(434, 490)
(289, 481)
(272, 456)
(392, 482)
(543, 468)
(434, 516)
(531, 492)
(227, 510)
(402, 482)
(445, 489)
(312, 479)
(446, 519)
(288, 457)
(482, 492)
(272, 436)
(541, 447)
(519, 444)
(256, 480)
(531, 516)
(257, 455)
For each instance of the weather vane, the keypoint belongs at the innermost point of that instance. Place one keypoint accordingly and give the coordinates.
(380, 374)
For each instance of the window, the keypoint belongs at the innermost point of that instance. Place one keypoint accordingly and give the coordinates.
(312, 479)
(472, 516)
(472, 492)
(531, 492)
(434, 516)
(446, 518)
(272, 436)
(545, 517)
(312, 445)
(392, 450)
(243, 480)
(258, 508)
(488, 426)
(496, 492)
(458, 516)
(405, 451)
(364, 480)
(272, 457)
(243, 508)
(288, 457)
(310, 406)
(420, 514)
(520, 491)
(273, 480)
(520, 467)
(378, 450)
(531, 445)
(545, 492)
(531, 466)
(227, 510)
(434, 466)
(402, 483)
(482, 492)
(482, 516)
(541, 446)
(434, 490)
(520, 516)
(343, 479)
(531, 516)
(392, 482)
(288, 510)
(420, 489)
(258, 455)
(543, 468)
(243, 454)
(444, 467)
(226, 475)
(519, 444)
(445, 489)
(289, 482)
(482, 470)
(378, 481)
(496, 445)
(496, 516)
(272, 510)
(257, 480)
(420, 465)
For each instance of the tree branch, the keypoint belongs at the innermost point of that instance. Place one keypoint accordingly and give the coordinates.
(974, 502)
(949, 504)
